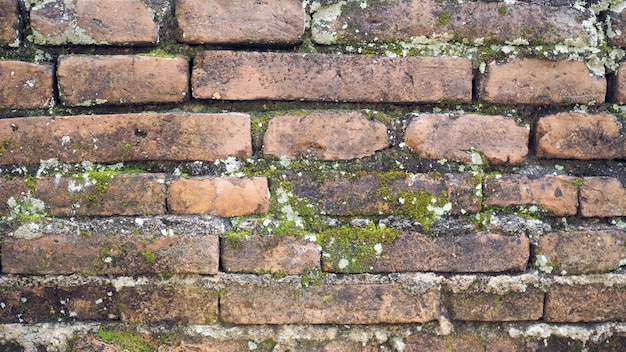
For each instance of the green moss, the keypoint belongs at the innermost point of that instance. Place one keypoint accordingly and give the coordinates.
(128, 340)
(578, 182)
(150, 257)
(444, 18)
(312, 277)
(502, 10)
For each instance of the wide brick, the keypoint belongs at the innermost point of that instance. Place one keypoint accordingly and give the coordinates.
(89, 22)
(485, 306)
(232, 75)
(103, 195)
(325, 136)
(580, 136)
(113, 247)
(126, 137)
(388, 21)
(328, 304)
(541, 82)
(585, 252)
(602, 197)
(240, 22)
(122, 79)
(556, 194)
(168, 304)
(225, 196)
(437, 136)
(11, 188)
(25, 85)
(585, 303)
(9, 22)
(620, 84)
(261, 254)
(465, 342)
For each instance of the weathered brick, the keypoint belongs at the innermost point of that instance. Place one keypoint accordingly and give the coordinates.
(325, 136)
(91, 343)
(122, 79)
(126, 137)
(620, 84)
(225, 196)
(388, 21)
(541, 82)
(89, 22)
(240, 22)
(329, 304)
(486, 306)
(9, 34)
(232, 75)
(556, 194)
(168, 304)
(585, 303)
(25, 85)
(602, 197)
(463, 342)
(497, 138)
(618, 25)
(274, 254)
(11, 188)
(103, 195)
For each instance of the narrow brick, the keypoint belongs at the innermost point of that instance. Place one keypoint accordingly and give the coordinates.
(465, 341)
(225, 196)
(333, 304)
(9, 21)
(620, 84)
(275, 254)
(25, 85)
(232, 75)
(11, 188)
(240, 22)
(602, 197)
(92, 22)
(498, 139)
(168, 304)
(556, 194)
(476, 22)
(585, 303)
(486, 306)
(111, 194)
(325, 136)
(618, 26)
(126, 137)
(122, 79)
(541, 82)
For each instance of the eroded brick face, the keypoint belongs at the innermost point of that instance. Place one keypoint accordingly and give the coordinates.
(25, 85)
(601, 303)
(8, 22)
(602, 197)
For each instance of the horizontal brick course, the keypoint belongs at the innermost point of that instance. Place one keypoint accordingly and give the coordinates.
(602, 197)
(287, 76)
(122, 79)
(126, 137)
(585, 303)
(8, 22)
(240, 22)
(25, 85)
(483, 306)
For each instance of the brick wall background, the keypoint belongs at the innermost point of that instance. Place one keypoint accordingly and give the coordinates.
(357, 175)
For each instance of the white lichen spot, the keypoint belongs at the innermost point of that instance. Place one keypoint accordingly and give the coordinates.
(559, 167)
(378, 248)
(107, 259)
(541, 262)
(343, 263)
(252, 346)
(99, 301)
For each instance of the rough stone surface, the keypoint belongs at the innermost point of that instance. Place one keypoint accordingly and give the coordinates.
(122, 79)
(618, 24)
(255, 254)
(541, 82)
(11, 188)
(239, 21)
(438, 136)
(585, 303)
(126, 137)
(91, 343)
(586, 252)
(482, 306)
(465, 342)
(556, 194)
(25, 85)
(602, 197)
(328, 304)
(232, 75)
(620, 84)
(225, 196)
(324, 136)
(89, 22)
(8, 23)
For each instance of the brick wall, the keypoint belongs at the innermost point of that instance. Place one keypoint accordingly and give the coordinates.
(358, 175)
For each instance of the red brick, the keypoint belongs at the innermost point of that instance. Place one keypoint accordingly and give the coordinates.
(486, 306)
(9, 21)
(618, 25)
(556, 194)
(497, 138)
(464, 342)
(232, 75)
(88, 22)
(324, 136)
(585, 303)
(11, 188)
(602, 197)
(541, 82)
(225, 196)
(261, 254)
(122, 79)
(620, 84)
(25, 85)
(329, 304)
(114, 194)
(126, 137)
(240, 22)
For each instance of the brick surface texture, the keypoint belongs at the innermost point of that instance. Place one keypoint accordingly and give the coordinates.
(25, 85)
(8, 22)
(602, 197)
(601, 303)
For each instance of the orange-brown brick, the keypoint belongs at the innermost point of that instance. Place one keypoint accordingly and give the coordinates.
(618, 25)
(240, 21)
(11, 188)
(541, 82)
(122, 79)
(620, 84)
(232, 75)
(485, 306)
(585, 303)
(25, 85)
(224, 196)
(602, 197)
(113, 138)
(8, 22)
